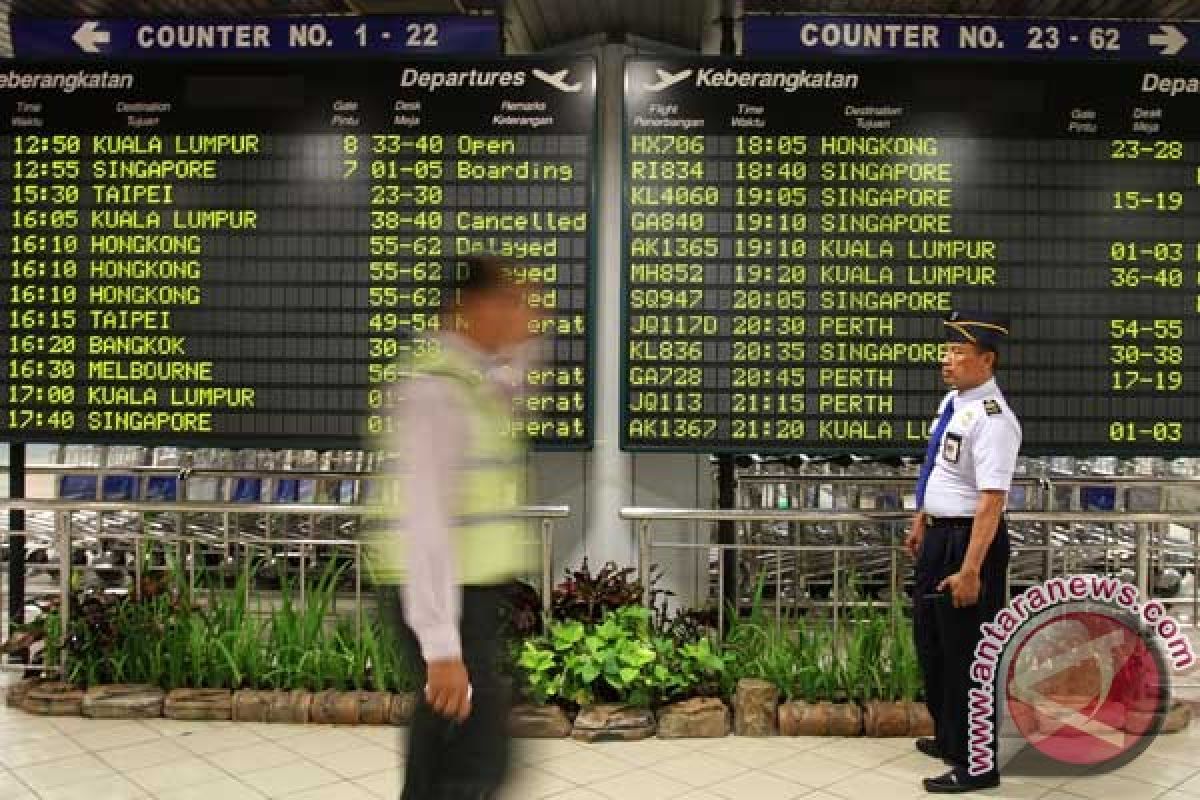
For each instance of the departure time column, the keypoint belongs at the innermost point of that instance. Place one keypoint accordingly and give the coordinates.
(43, 246)
(769, 295)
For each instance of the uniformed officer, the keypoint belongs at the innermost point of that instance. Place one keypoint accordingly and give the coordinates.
(959, 538)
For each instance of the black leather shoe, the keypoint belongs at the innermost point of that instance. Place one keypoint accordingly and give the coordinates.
(929, 747)
(958, 780)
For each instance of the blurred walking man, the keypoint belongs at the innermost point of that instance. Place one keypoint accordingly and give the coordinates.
(453, 545)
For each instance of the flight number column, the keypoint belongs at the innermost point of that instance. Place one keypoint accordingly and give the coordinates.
(407, 269)
(41, 289)
(768, 296)
(1147, 354)
(674, 364)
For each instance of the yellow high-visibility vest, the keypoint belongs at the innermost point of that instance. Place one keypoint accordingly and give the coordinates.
(490, 545)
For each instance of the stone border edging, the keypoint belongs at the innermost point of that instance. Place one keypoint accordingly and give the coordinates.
(756, 712)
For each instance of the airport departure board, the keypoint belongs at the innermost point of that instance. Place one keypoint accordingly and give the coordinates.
(795, 232)
(244, 253)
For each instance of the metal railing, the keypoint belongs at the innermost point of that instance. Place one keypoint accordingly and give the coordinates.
(1045, 491)
(223, 479)
(1143, 543)
(65, 537)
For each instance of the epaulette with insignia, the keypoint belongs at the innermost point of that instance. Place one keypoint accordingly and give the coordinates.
(992, 408)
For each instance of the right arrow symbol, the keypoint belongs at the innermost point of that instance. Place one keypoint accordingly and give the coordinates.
(1171, 40)
(89, 37)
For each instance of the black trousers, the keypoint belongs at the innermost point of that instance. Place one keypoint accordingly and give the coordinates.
(946, 636)
(469, 760)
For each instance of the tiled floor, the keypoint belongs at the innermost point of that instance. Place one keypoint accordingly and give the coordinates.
(69, 759)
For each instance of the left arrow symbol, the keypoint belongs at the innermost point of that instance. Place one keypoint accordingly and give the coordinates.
(89, 37)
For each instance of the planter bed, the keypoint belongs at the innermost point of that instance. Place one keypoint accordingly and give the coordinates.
(694, 718)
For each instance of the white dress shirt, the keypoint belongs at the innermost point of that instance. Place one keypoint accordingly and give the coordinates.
(978, 451)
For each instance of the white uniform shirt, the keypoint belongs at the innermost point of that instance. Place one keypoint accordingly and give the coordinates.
(978, 451)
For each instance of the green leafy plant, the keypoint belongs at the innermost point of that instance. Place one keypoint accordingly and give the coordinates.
(52, 657)
(687, 670)
(761, 646)
(160, 636)
(871, 658)
(861, 666)
(878, 659)
(238, 635)
(389, 671)
(620, 659)
(544, 661)
(816, 673)
(168, 635)
(303, 656)
(902, 678)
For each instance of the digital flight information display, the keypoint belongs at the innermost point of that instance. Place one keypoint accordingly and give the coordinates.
(795, 232)
(207, 252)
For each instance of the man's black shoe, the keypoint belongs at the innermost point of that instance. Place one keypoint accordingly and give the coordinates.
(958, 780)
(929, 747)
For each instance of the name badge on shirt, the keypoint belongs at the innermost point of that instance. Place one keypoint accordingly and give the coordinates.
(951, 447)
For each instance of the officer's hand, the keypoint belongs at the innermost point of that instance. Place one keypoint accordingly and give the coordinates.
(448, 689)
(912, 542)
(964, 588)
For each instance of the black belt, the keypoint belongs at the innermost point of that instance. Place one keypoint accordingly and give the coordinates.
(947, 522)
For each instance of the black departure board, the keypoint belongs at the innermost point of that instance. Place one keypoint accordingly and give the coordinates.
(795, 232)
(246, 253)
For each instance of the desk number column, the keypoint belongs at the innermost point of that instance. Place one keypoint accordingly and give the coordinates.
(1147, 353)
(408, 259)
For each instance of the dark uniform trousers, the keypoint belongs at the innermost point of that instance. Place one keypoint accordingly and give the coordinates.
(449, 760)
(946, 636)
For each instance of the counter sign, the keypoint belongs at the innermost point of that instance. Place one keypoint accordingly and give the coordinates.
(290, 36)
(971, 37)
